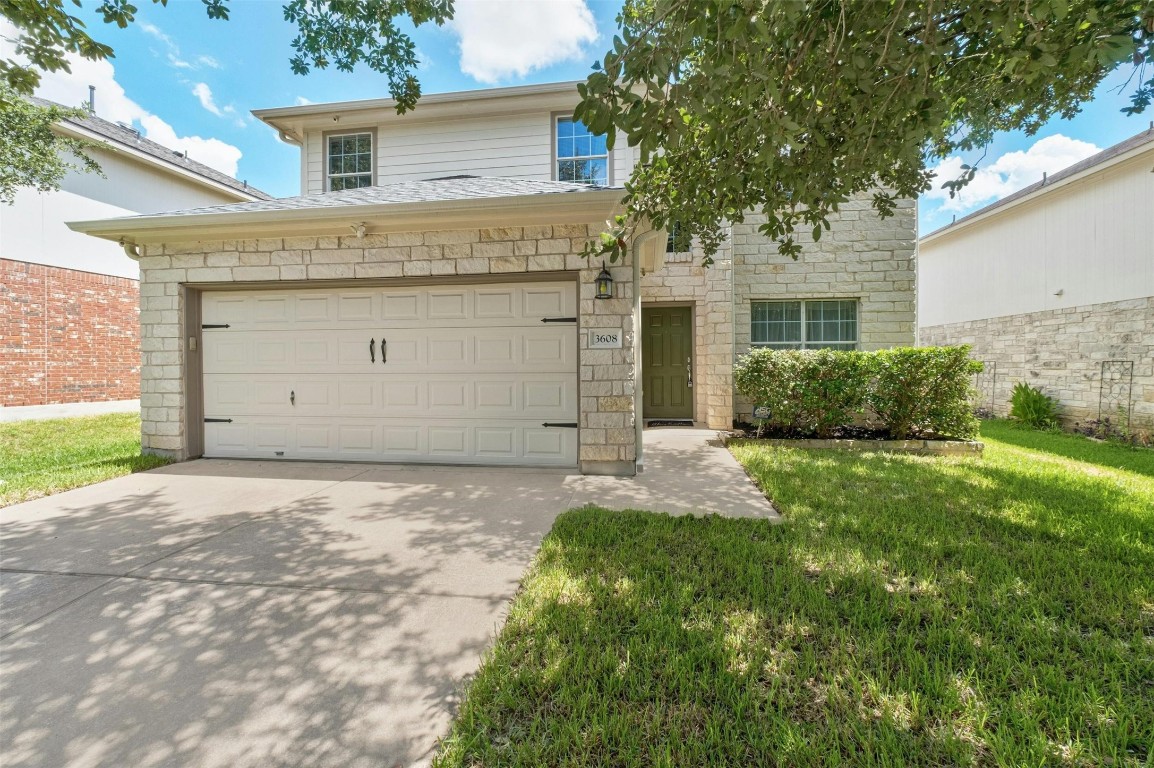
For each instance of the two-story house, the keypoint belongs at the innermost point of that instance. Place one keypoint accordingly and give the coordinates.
(424, 299)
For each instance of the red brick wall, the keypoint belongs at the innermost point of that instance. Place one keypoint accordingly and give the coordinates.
(67, 336)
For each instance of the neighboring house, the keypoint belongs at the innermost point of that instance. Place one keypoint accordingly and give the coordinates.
(425, 298)
(69, 303)
(1054, 286)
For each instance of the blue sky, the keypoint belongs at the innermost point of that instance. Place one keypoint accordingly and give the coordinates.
(189, 82)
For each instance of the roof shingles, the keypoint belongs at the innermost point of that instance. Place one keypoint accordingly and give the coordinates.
(116, 133)
(428, 191)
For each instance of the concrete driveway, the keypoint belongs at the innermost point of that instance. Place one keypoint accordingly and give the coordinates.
(222, 613)
(235, 614)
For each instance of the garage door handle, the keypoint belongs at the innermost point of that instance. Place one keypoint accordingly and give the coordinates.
(566, 424)
(384, 351)
(372, 350)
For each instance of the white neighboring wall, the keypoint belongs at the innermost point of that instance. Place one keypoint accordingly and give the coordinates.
(1091, 239)
(33, 228)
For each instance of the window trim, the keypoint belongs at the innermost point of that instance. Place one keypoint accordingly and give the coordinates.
(844, 346)
(557, 117)
(326, 135)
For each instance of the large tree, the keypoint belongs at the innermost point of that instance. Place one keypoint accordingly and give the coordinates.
(784, 107)
(791, 108)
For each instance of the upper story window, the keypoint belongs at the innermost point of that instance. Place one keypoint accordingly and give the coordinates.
(805, 324)
(581, 156)
(350, 160)
(678, 240)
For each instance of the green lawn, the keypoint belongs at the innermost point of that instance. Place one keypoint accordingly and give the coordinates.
(38, 458)
(911, 611)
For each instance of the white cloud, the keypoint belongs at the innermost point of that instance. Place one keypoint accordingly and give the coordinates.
(112, 103)
(511, 38)
(204, 95)
(302, 101)
(172, 50)
(1008, 173)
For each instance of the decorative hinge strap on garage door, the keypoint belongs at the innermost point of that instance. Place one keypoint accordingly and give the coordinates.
(210, 325)
(218, 421)
(558, 319)
(568, 424)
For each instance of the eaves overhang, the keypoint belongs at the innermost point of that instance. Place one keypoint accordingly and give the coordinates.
(518, 210)
(104, 143)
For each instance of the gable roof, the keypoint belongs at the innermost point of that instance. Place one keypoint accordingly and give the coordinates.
(118, 136)
(441, 203)
(1107, 157)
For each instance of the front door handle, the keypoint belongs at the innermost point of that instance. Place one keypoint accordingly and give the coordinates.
(689, 370)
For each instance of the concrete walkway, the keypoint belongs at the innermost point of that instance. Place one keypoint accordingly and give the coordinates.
(228, 613)
(685, 471)
(66, 410)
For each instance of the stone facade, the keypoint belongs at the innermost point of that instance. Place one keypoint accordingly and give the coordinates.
(66, 336)
(861, 257)
(1061, 352)
(607, 437)
(683, 281)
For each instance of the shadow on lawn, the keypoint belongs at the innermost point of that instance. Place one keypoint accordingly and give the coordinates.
(1077, 447)
(912, 612)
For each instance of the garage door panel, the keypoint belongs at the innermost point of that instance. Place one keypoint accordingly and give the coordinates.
(456, 374)
(547, 397)
(426, 307)
(406, 350)
(438, 441)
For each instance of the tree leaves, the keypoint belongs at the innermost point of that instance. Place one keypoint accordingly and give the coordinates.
(31, 153)
(790, 109)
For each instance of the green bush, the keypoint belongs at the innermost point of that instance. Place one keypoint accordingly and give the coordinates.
(924, 391)
(808, 392)
(1033, 407)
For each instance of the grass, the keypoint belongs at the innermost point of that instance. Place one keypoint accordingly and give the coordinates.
(39, 458)
(911, 611)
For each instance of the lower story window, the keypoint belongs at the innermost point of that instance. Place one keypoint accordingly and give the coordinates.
(805, 324)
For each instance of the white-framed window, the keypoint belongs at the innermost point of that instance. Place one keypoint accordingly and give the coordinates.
(812, 324)
(581, 157)
(349, 160)
(678, 240)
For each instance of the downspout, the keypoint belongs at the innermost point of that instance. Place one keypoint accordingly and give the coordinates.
(638, 396)
(131, 250)
(288, 138)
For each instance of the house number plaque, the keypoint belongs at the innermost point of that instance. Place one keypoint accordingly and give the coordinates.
(605, 338)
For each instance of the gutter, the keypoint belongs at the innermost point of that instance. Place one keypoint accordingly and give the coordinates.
(110, 145)
(439, 214)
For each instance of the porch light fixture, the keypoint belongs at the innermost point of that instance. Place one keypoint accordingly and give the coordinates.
(604, 283)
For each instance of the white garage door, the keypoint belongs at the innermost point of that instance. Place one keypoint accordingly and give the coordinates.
(449, 374)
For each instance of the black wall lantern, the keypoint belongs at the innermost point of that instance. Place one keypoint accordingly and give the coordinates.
(604, 283)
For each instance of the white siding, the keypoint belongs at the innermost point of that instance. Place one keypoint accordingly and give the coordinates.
(33, 228)
(514, 145)
(1091, 240)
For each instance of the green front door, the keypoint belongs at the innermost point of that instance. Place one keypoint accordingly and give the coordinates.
(666, 362)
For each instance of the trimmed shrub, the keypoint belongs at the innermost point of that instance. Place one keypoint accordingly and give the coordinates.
(924, 391)
(808, 392)
(1033, 407)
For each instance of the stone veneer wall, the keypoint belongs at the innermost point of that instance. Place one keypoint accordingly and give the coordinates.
(607, 438)
(1061, 352)
(861, 257)
(683, 281)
